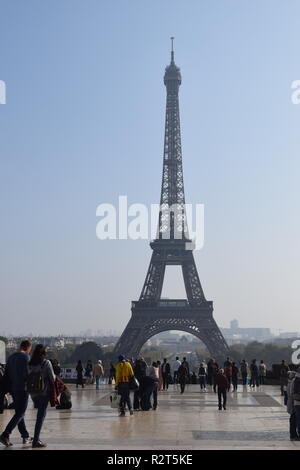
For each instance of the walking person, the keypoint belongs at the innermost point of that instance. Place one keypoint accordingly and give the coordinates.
(160, 380)
(89, 372)
(215, 370)
(186, 365)
(124, 372)
(294, 436)
(165, 371)
(234, 378)
(16, 372)
(254, 381)
(154, 374)
(228, 373)
(284, 368)
(210, 370)
(222, 383)
(262, 370)
(183, 376)
(244, 372)
(112, 373)
(98, 373)
(296, 398)
(79, 370)
(41, 380)
(202, 377)
(176, 365)
(139, 372)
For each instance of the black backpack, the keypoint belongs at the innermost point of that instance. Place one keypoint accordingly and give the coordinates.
(35, 381)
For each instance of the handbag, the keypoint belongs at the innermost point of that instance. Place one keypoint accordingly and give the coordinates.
(114, 400)
(133, 384)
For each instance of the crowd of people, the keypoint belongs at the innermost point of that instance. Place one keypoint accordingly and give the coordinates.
(36, 376)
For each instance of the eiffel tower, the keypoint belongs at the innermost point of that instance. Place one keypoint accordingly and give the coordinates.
(151, 314)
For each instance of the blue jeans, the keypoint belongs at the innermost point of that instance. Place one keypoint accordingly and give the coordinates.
(124, 391)
(20, 404)
(97, 381)
(41, 403)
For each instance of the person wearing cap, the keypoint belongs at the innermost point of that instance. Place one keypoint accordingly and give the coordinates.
(98, 373)
(291, 406)
(124, 372)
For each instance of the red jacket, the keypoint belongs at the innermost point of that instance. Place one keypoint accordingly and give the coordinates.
(56, 390)
(221, 381)
(228, 371)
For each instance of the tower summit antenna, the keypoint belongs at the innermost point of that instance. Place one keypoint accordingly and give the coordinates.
(172, 49)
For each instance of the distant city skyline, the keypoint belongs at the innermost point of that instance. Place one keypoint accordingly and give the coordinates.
(83, 124)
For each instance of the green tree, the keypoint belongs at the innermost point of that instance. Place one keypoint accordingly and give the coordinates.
(86, 351)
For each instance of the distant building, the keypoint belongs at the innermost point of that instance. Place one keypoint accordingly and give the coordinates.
(235, 334)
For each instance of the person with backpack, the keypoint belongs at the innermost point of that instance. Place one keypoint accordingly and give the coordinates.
(41, 379)
(15, 381)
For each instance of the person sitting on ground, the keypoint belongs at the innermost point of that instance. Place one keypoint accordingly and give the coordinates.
(65, 402)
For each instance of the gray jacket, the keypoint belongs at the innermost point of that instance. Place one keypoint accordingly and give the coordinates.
(290, 401)
(48, 376)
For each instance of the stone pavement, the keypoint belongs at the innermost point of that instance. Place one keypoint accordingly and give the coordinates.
(253, 420)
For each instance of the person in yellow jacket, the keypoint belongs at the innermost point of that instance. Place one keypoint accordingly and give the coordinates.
(123, 373)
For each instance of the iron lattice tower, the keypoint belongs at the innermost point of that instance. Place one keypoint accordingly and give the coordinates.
(172, 246)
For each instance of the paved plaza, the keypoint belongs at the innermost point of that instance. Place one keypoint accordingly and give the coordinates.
(253, 420)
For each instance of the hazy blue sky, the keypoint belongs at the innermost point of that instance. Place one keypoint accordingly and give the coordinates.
(84, 123)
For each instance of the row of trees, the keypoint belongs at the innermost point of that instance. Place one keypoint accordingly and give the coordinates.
(271, 353)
